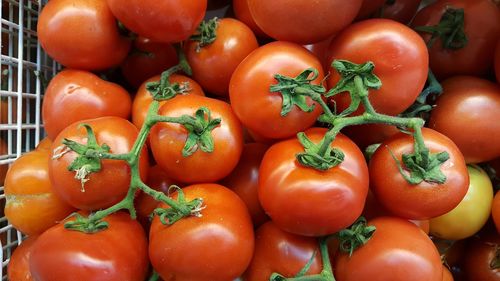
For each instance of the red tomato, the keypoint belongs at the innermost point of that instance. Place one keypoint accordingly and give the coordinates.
(400, 58)
(400, 10)
(165, 21)
(481, 260)
(495, 211)
(147, 59)
(244, 180)
(214, 64)
(81, 34)
(143, 98)
(74, 95)
(281, 252)
(481, 26)
(118, 253)
(259, 109)
(216, 246)
(44, 144)
(31, 203)
(468, 112)
(18, 268)
(111, 183)
(320, 50)
(299, 21)
(398, 250)
(309, 202)
(242, 13)
(368, 7)
(447, 274)
(424, 200)
(168, 139)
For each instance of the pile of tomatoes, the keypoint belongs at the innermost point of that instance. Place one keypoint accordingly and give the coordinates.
(157, 104)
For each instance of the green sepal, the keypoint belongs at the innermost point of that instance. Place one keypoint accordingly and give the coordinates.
(169, 216)
(163, 90)
(450, 29)
(206, 33)
(277, 277)
(288, 86)
(311, 156)
(357, 235)
(200, 132)
(85, 225)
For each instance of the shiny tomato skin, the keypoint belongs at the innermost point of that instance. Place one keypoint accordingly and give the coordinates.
(32, 206)
(216, 246)
(111, 183)
(242, 13)
(81, 34)
(424, 200)
(167, 21)
(244, 180)
(118, 253)
(281, 252)
(468, 112)
(402, 11)
(481, 251)
(309, 202)
(168, 139)
(74, 95)
(214, 64)
(18, 267)
(259, 109)
(400, 58)
(300, 21)
(481, 25)
(143, 98)
(398, 250)
(147, 59)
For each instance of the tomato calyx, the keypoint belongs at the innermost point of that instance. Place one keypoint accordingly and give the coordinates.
(169, 216)
(450, 30)
(318, 156)
(206, 33)
(357, 235)
(163, 89)
(420, 106)
(85, 224)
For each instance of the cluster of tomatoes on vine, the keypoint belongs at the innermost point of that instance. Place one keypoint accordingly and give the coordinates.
(329, 152)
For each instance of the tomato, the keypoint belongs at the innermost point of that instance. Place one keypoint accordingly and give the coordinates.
(244, 180)
(147, 59)
(168, 139)
(111, 183)
(471, 214)
(216, 246)
(32, 206)
(44, 144)
(368, 7)
(167, 21)
(424, 200)
(481, 261)
(143, 98)
(214, 64)
(309, 202)
(242, 13)
(447, 274)
(299, 21)
(259, 109)
(320, 50)
(281, 252)
(81, 34)
(400, 58)
(70, 95)
(118, 253)
(467, 112)
(495, 211)
(18, 267)
(402, 11)
(497, 62)
(398, 250)
(481, 26)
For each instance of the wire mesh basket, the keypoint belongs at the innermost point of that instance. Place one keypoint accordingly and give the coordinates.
(23, 66)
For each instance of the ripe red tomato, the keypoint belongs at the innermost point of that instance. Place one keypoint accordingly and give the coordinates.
(481, 261)
(74, 95)
(118, 253)
(147, 59)
(468, 112)
(400, 58)
(214, 64)
(44, 144)
(244, 180)
(259, 109)
(111, 183)
(165, 21)
(168, 139)
(18, 268)
(81, 34)
(495, 211)
(281, 252)
(424, 200)
(368, 7)
(481, 26)
(309, 202)
(447, 274)
(402, 11)
(31, 203)
(398, 250)
(216, 246)
(143, 98)
(299, 21)
(242, 13)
